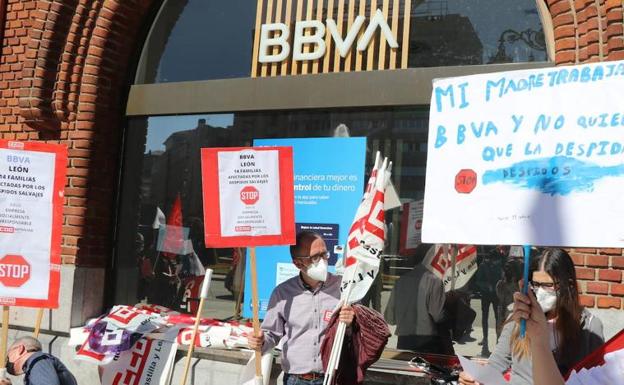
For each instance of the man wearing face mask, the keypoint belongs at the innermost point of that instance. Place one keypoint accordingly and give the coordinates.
(25, 357)
(299, 310)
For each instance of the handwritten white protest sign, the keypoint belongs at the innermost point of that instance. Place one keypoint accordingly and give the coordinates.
(527, 157)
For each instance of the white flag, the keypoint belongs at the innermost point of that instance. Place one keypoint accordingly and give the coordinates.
(159, 219)
(367, 236)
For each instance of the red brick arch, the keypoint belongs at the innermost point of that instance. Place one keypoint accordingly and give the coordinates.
(65, 70)
(587, 30)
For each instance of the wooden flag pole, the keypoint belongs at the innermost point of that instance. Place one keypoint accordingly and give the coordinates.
(241, 286)
(38, 323)
(255, 306)
(202, 299)
(4, 340)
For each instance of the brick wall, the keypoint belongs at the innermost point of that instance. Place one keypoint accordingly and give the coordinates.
(64, 75)
(63, 78)
(590, 31)
(600, 274)
(587, 30)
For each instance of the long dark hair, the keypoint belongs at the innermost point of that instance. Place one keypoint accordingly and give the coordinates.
(558, 264)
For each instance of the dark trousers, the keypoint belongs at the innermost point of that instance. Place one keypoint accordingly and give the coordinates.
(486, 301)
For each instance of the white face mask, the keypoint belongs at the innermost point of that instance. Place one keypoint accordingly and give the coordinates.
(318, 271)
(547, 299)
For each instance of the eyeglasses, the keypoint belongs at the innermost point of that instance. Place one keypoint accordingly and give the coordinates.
(545, 285)
(316, 257)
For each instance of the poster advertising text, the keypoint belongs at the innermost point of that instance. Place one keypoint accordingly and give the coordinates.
(328, 183)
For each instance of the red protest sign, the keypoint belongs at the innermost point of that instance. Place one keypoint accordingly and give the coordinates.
(411, 226)
(248, 196)
(32, 181)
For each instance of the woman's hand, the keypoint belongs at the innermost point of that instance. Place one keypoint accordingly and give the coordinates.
(526, 307)
(545, 369)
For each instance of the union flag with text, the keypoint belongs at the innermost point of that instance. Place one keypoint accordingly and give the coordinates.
(367, 236)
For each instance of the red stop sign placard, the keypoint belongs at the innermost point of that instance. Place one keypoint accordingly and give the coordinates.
(14, 270)
(249, 195)
(465, 181)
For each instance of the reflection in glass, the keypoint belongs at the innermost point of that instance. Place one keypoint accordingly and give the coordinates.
(445, 33)
(201, 39)
(162, 191)
(160, 244)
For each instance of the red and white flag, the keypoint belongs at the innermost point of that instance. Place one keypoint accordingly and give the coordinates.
(367, 236)
(441, 258)
(172, 237)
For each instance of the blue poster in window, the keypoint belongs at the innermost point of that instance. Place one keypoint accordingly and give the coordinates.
(329, 184)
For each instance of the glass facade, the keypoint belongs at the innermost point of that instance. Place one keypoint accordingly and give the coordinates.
(162, 184)
(163, 164)
(161, 175)
(201, 40)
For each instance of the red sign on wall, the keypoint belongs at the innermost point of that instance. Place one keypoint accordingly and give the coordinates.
(32, 181)
(248, 196)
(411, 225)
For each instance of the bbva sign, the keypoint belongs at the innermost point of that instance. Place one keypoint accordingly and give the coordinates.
(269, 39)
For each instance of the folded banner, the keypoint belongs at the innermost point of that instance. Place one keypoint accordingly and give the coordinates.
(218, 335)
(149, 362)
(103, 339)
(117, 331)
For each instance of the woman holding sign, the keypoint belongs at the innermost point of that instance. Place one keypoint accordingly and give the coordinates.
(545, 369)
(573, 332)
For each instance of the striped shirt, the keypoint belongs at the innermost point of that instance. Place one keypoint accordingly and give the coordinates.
(298, 315)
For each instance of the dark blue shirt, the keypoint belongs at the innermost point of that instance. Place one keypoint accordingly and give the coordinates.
(45, 369)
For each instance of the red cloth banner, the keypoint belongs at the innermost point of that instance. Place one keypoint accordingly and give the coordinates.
(174, 236)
